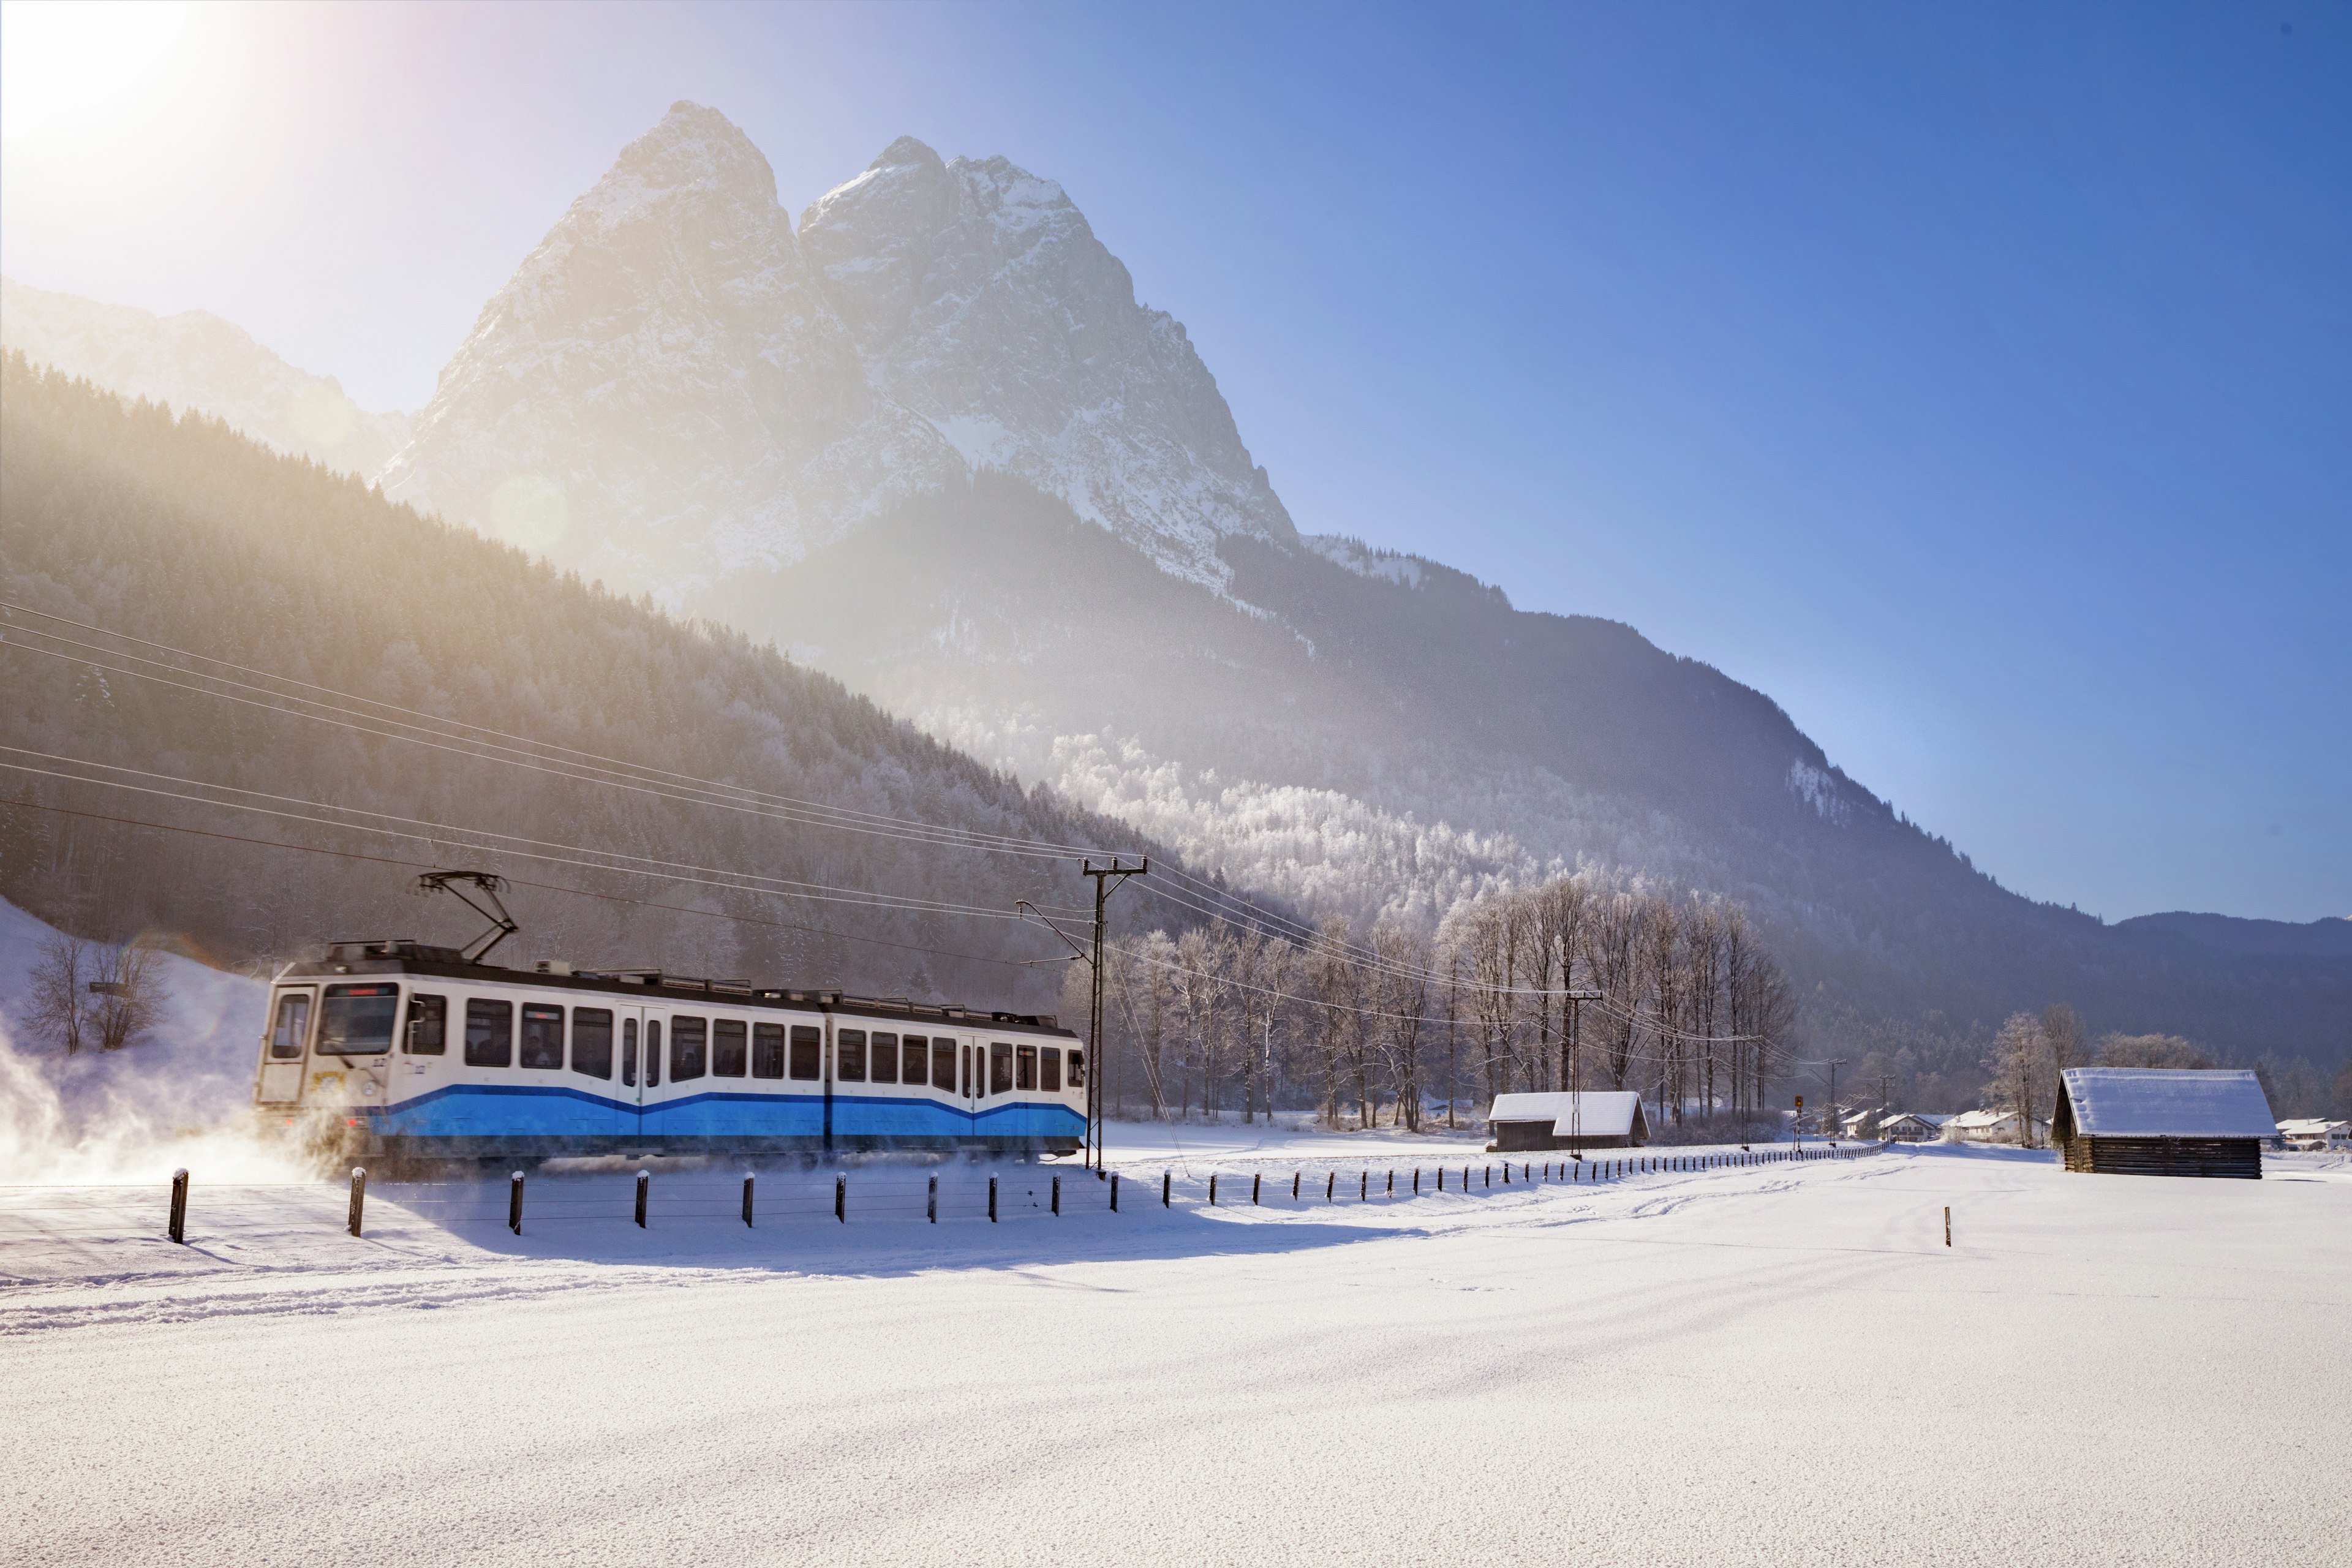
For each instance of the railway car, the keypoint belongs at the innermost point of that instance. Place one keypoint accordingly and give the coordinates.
(418, 1052)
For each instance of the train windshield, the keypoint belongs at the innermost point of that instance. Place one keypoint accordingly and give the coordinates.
(356, 1020)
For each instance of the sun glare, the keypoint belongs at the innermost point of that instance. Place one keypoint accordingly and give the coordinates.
(66, 64)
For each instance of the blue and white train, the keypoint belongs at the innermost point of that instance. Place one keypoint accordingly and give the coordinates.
(418, 1052)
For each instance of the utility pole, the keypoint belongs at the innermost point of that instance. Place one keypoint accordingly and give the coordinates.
(1828, 1131)
(1576, 1000)
(1102, 875)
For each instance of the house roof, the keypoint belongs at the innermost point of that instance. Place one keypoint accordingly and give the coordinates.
(1969, 1120)
(1608, 1113)
(1926, 1118)
(2310, 1126)
(2166, 1102)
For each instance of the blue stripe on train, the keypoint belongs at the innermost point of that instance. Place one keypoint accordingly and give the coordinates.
(509, 1110)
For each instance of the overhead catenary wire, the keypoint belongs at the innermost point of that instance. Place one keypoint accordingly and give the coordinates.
(614, 772)
(522, 882)
(747, 880)
(590, 767)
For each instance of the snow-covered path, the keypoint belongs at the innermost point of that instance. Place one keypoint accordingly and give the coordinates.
(1780, 1364)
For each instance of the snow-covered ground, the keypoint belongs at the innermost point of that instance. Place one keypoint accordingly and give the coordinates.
(1772, 1364)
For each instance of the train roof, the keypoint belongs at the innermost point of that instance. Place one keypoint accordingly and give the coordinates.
(399, 955)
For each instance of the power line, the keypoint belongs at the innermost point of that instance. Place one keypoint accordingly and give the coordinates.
(520, 883)
(435, 733)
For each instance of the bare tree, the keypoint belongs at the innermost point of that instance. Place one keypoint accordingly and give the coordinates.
(2021, 1070)
(1405, 954)
(2069, 1042)
(58, 1006)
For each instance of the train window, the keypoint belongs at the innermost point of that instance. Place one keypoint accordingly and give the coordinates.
(885, 1057)
(543, 1037)
(967, 1071)
(428, 1025)
(1049, 1070)
(591, 1041)
(688, 1041)
(489, 1034)
(1078, 1070)
(1000, 1068)
(727, 1050)
(849, 1055)
(356, 1020)
(293, 1030)
(808, 1052)
(653, 1052)
(918, 1062)
(943, 1077)
(629, 1052)
(767, 1050)
(1024, 1066)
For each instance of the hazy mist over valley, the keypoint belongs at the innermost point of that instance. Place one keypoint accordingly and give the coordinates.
(926, 439)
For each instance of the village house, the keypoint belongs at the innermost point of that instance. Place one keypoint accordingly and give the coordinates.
(2315, 1133)
(1991, 1127)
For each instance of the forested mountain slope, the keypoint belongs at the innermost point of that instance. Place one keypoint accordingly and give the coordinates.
(197, 360)
(180, 532)
(1318, 738)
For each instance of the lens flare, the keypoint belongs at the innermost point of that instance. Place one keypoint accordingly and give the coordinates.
(67, 66)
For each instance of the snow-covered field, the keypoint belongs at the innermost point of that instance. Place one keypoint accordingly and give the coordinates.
(1777, 1364)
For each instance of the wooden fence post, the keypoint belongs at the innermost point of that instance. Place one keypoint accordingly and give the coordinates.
(992, 1200)
(932, 1201)
(1294, 1186)
(514, 1203)
(358, 1197)
(1330, 1186)
(176, 1226)
(644, 1180)
(841, 1197)
(1256, 1177)
(747, 1200)
(1057, 1195)
(1167, 1184)
(1113, 1191)
(1948, 1225)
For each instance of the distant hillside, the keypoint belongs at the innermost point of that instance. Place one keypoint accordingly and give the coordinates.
(1366, 734)
(186, 533)
(196, 360)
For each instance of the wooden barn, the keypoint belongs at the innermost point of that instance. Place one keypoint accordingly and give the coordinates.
(2160, 1121)
(1592, 1119)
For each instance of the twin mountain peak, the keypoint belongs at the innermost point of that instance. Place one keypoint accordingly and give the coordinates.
(679, 383)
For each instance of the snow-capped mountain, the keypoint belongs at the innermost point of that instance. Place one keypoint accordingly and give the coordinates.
(662, 393)
(982, 300)
(676, 385)
(196, 360)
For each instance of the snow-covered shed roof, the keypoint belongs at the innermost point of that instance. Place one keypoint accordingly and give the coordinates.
(1605, 1114)
(2165, 1102)
(2312, 1127)
(1969, 1120)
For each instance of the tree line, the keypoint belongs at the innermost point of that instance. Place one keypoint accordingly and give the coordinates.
(1579, 982)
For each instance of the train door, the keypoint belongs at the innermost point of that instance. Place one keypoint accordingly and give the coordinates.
(286, 1045)
(629, 1072)
(652, 1089)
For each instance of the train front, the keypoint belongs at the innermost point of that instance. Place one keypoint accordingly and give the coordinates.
(325, 1072)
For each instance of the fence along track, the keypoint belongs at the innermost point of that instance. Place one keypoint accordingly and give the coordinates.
(953, 1195)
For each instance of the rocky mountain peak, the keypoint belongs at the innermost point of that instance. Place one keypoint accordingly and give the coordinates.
(905, 150)
(680, 382)
(981, 300)
(662, 393)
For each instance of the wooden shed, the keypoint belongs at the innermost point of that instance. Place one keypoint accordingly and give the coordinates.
(1592, 1119)
(2162, 1121)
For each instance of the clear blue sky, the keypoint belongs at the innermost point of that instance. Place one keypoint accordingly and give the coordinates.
(1976, 381)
